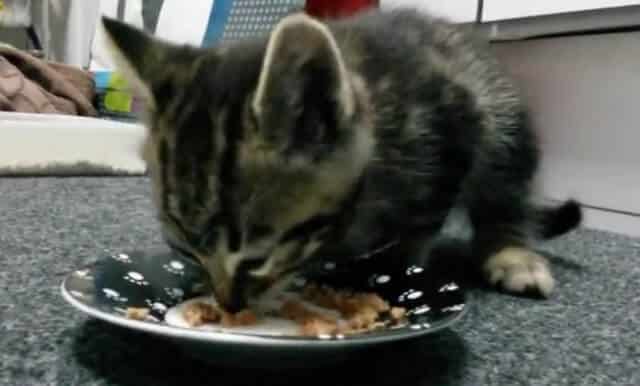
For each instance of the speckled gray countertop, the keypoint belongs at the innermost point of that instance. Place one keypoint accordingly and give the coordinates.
(587, 334)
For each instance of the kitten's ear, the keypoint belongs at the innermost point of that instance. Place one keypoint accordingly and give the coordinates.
(137, 55)
(303, 84)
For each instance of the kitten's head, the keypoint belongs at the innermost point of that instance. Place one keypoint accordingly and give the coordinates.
(254, 149)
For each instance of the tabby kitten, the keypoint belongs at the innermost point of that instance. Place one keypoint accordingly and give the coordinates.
(385, 128)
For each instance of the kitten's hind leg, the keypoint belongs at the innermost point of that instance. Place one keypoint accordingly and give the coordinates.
(517, 269)
(508, 262)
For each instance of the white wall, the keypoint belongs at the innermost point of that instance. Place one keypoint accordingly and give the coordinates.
(65, 29)
(176, 23)
(71, 28)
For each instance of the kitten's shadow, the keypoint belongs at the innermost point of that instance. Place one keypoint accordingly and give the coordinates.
(128, 358)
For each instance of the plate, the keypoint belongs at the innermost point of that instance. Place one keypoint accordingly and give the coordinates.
(162, 280)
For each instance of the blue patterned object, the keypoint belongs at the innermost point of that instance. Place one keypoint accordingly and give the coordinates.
(229, 20)
(240, 19)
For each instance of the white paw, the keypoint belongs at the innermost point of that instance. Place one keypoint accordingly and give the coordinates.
(519, 270)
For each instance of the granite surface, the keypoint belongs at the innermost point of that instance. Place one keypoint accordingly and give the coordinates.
(587, 334)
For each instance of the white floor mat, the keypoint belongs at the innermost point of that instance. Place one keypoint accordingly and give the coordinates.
(60, 145)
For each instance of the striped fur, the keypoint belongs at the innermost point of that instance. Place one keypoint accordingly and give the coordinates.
(341, 136)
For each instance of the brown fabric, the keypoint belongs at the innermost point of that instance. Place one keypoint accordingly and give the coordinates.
(29, 84)
(81, 79)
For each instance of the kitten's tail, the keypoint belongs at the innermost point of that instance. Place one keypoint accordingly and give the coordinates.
(554, 221)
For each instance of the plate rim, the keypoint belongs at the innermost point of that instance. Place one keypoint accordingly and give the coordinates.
(249, 340)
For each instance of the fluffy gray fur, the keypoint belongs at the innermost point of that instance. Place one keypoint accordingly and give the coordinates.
(339, 137)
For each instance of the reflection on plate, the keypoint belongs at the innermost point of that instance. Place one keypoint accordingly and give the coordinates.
(162, 280)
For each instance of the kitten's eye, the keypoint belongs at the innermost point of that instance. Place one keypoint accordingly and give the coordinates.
(259, 231)
(253, 263)
(248, 265)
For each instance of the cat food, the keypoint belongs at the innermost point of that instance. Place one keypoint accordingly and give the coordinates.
(361, 312)
(347, 303)
(355, 313)
(242, 318)
(311, 323)
(398, 313)
(197, 314)
(137, 313)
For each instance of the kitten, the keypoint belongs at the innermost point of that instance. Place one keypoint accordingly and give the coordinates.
(352, 134)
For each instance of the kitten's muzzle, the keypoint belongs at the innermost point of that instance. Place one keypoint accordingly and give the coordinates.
(234, 290)
(244, 289)
(221, 282)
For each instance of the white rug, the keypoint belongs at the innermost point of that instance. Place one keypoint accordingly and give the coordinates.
(60, 145)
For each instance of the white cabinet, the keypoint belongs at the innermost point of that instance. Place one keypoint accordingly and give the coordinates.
(583, 92)
(493, 10)
(458, 11)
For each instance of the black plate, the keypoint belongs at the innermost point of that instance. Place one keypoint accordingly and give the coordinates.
(161, 280)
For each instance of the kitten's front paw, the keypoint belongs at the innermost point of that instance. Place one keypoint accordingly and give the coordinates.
(519, 270)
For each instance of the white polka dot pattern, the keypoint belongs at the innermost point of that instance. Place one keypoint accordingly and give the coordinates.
(250, 18)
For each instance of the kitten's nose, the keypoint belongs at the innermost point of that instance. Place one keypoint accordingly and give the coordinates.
(225, 289)
(233, 290)
(229, 292)
(243, 289)
(227, 297)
